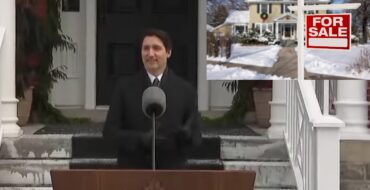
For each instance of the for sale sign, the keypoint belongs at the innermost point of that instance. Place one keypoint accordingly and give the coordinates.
(328, 31)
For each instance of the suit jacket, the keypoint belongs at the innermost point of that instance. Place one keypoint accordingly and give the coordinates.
(126, 125)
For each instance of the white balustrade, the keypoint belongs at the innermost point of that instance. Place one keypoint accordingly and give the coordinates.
(312, 139)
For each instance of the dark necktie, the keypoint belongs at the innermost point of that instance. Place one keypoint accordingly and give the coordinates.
(156, 82)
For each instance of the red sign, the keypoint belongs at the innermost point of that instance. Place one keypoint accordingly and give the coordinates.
(328, 31)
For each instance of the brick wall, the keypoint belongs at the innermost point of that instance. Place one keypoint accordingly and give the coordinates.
(355, 165)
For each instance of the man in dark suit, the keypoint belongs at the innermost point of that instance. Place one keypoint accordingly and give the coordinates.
(127, 126)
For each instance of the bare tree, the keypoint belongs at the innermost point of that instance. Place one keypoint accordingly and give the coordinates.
(362, 14)
(219, 15)
(217, 10)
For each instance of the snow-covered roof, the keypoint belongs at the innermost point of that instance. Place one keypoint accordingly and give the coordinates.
(237, 17)
(219, 26)
(210, 28)
(286, 1)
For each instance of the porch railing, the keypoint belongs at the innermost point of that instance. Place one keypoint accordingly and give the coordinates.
(326, 92)
(312, 139)
(2, 32)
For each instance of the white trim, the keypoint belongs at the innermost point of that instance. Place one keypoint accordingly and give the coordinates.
(327, 7)
(2, 32)
(284, 15)
(300, 38)
(203, 85)
(344, 135)
(91, 37)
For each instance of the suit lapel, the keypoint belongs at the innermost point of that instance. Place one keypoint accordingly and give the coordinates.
(165, 81)
(144, 81)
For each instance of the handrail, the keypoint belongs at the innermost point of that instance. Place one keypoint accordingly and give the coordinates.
(312, 139)
(2, 32)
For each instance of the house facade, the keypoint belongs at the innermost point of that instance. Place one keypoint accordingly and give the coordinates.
(235, 24)
(273, 16)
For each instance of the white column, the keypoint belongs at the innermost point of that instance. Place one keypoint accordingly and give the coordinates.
(2, 31)
(8, 112)
(327, 158)
(277, 31)
(90, 77)
(300, 39)
(278, 104)
(203, 98)
(351, 107)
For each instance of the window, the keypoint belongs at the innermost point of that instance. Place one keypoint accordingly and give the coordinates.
(240, 29)
(264, 8)
(264, 27)
(285, 9)
(310, 12)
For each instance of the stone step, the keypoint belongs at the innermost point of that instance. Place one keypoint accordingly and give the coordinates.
(93, 146)
(269, 174)
(37, 172)
(253, 148)
(29, 172)
(37, 146)
(81, 146)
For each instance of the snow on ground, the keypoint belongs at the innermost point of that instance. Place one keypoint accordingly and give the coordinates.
(262, 56)
(219, 72)
(336, 62)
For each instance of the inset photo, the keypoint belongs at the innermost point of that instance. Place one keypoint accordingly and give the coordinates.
(250, 40)
(337, 45)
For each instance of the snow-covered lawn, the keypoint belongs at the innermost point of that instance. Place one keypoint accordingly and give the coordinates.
(219, 72)
(262, 56)
(336, 63)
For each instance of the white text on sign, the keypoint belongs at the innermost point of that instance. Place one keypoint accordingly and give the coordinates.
(327, 30)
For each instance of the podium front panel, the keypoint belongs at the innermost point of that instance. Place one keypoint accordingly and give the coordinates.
(152, 180)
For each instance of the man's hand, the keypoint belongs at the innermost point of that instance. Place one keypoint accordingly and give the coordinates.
(183, 135)
(146, 140)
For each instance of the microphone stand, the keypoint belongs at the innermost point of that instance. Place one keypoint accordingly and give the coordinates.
(153, 142)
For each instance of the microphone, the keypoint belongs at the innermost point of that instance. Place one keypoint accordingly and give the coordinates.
(153, 102)
(154, 106)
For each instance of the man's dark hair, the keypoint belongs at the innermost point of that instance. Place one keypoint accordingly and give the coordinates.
(162, 35)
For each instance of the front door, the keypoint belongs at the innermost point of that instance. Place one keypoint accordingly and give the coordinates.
(287, 31)
(120, 23)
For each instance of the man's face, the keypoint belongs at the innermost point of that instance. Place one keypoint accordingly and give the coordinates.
(154, 55)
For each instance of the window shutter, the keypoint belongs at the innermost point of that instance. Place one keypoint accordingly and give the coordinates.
(282, 8)
(258, 8)
(253, 26)
(270, 8)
